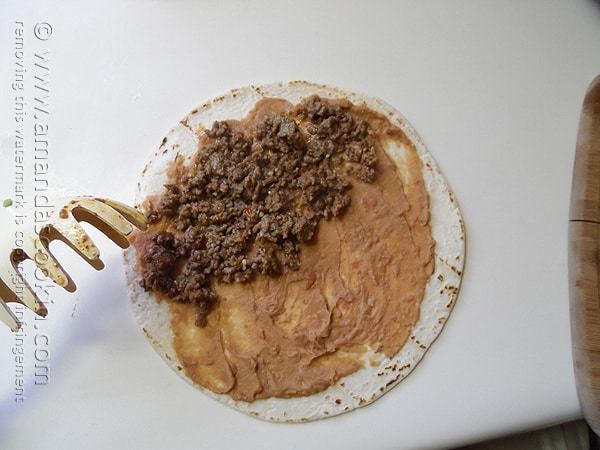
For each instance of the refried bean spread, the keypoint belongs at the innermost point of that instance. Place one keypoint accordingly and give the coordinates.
(291, 249)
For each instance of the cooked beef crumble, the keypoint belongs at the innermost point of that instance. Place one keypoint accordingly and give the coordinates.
(252, 197)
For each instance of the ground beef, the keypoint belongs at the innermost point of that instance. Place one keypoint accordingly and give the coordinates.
(254, 197)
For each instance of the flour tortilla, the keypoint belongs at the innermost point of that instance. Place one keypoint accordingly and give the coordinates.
(372, 381)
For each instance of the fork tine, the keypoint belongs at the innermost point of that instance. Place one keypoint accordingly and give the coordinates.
(71, 233)
(131, 214)
(16, 284)
(8, 317)
(105, 218)
(45, 260)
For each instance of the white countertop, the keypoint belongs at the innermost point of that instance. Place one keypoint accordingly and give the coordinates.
(493, 88)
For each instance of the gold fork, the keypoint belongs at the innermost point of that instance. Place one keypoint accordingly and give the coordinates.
(112, 218)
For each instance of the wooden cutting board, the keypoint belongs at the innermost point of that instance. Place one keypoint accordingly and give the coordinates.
(584, 258)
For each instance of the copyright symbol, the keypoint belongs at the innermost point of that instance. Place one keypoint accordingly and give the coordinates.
(42, 31)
